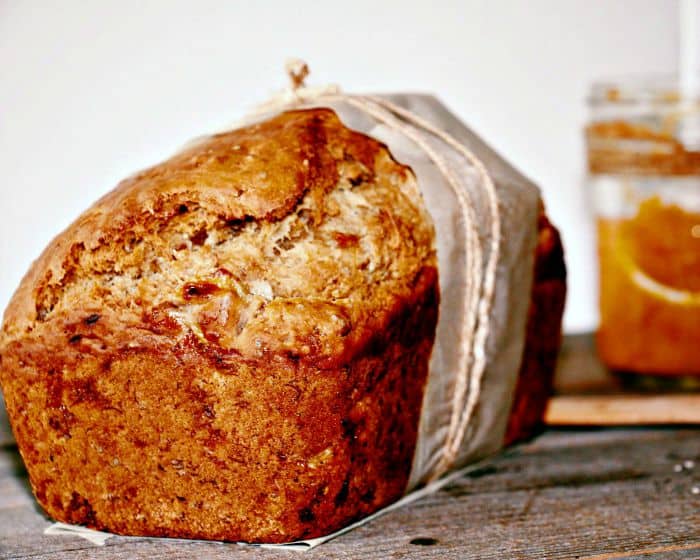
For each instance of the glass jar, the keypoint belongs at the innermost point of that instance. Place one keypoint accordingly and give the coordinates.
(643, 144)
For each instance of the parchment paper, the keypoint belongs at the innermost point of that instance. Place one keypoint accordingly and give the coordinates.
(519, 206)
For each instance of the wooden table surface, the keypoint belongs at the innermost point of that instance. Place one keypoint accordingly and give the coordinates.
(570, 493)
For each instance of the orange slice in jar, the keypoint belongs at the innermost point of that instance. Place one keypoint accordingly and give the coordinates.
(660, 250)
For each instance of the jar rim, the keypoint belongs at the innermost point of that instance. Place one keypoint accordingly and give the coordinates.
(656, 89)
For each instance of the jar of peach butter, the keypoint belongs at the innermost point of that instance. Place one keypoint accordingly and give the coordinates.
(643, 145)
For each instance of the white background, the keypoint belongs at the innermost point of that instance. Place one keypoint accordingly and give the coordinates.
(92, 91)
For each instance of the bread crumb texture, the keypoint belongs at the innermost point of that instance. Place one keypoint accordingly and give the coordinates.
(232, 344)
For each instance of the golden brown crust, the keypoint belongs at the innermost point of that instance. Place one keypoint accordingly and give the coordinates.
(300, 173)
(230, 345)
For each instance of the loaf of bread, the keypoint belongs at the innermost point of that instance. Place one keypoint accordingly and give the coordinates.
(542, 335)
(234, 344)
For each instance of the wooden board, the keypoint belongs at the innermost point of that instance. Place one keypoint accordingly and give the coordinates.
(586, 494)
(591, 494)
(586, 393)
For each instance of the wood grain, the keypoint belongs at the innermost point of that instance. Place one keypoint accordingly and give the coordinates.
(595, 494)
(596, 410)
(567, 494)
(587, 394)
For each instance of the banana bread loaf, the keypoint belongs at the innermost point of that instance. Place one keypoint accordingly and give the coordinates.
(234, 344)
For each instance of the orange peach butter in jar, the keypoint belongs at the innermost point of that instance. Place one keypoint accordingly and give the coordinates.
(643, 145)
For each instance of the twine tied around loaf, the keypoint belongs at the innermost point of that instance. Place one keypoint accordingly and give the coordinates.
(297, 70)
(481, 280)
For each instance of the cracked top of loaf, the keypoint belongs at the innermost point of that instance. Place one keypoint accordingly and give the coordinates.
(296, 235)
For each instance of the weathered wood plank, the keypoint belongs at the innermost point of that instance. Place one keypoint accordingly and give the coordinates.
(617, 410)
(567, 494)
(587, 394)
(679, 552)
(595, 494)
